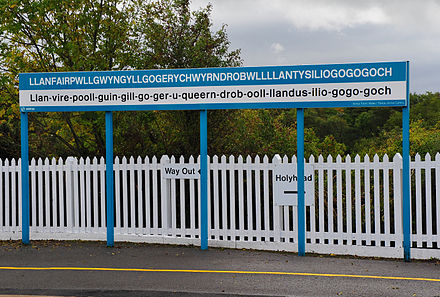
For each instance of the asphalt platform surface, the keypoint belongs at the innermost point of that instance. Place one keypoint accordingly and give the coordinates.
(52, 268)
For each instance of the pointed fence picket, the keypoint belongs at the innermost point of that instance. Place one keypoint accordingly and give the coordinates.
(425, 202)
(357, 207)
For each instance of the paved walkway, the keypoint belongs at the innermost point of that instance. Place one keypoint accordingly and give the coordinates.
(92, 269)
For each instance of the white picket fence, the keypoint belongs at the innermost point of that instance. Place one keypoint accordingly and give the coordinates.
(357, 209)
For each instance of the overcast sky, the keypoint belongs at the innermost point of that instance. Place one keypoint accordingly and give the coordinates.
(292, 32)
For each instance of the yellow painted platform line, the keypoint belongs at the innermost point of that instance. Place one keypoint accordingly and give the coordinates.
(226, 272)
(27, 296)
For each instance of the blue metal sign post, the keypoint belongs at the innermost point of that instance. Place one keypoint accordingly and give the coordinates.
(110, 196)
(203, 179)
(406, 182)
(303, 86)
(300, 171)
(406, 177)
(25, 177)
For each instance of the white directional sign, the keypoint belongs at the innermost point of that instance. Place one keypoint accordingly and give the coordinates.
(285, 185)
(181, 171)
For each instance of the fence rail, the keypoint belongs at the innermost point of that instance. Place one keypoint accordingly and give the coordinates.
(357, 208)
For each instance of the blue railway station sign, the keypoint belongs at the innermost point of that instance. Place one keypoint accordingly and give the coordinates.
(377, 84)
(331, 85)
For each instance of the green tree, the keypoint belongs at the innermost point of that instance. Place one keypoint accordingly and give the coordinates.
(424, 129)
(270, 132)
(9, 119)
(88, 35)
(166, 34)
(50, 36)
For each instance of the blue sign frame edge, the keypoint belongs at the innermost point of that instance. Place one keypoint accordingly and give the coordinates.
(217, 106)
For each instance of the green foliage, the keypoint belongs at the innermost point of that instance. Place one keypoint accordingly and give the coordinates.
(166, 34)
(340, 130)
(51, 35)
(262, 132)
(270, 132)
(9, 118)
(88, 35)
(426, 108)
(424, 129)
(422, 140)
